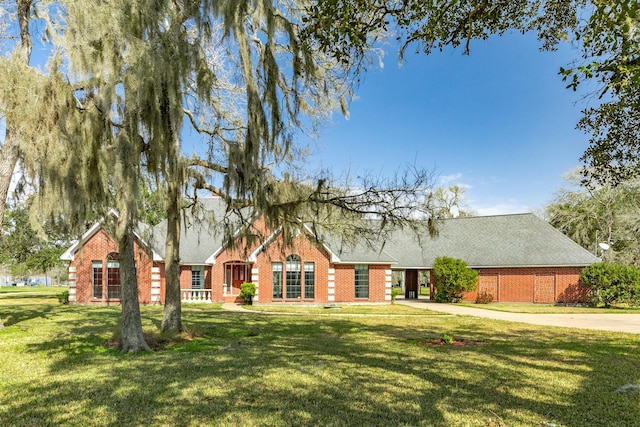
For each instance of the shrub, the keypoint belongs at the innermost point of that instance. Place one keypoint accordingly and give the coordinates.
(452, 278)
(63, 298)
(395, 292)
(446, 338)
(247, 292)
(484, 297)
(611, 284)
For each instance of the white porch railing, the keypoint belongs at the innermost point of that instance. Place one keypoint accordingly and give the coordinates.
(196, 295)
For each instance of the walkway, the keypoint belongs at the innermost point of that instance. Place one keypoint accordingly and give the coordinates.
(629, 323)
(233, 306)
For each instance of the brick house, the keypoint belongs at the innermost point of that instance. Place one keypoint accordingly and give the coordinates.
(519, 258)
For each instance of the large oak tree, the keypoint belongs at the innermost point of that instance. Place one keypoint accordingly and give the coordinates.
(123, 81)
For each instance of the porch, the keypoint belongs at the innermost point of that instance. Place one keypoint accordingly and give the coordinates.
(205, 296)
(195, 295)
(235, 273)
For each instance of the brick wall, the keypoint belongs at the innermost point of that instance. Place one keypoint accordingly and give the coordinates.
(96, 249)
(308, 252)
(379, 283)
(531, 284)
(333, 282)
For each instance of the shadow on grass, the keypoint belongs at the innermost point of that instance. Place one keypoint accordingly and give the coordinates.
(17, 313)
(252, 369)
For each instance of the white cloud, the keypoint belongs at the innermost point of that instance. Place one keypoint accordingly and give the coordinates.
(453, 179)
(449, 179)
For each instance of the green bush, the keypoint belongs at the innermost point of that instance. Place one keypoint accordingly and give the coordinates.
(247, 292)
(611, 284)
(63, 298)
(395, 292)
(452, 278)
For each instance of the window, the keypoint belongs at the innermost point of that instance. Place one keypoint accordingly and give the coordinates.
(293, 277)
(113, 276)
(228, 279)
(362, 281)
(96, 279)
(276, 269)
(309, 280)
(197, 277)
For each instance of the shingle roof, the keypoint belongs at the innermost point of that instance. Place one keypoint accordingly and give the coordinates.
(199, 239)
(517, 240)
(360, 254)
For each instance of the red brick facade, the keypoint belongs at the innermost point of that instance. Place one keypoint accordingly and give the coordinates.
(531, 284)
(93, 255)
(333, 282)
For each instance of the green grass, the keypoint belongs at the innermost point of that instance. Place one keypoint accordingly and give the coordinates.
(251, 369)
(42, 290)
(345, 309)
(550, 309)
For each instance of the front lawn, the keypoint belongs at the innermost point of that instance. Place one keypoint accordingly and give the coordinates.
(344, 309)
(58, 367)
(42, 290)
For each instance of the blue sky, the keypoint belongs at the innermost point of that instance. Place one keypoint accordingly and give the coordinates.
(498, 122)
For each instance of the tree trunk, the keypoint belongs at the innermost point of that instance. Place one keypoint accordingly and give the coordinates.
(172, 320)
(10, 149)
(8, 159)
(132, 337)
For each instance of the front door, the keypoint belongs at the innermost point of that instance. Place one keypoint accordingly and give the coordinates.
(236, 276)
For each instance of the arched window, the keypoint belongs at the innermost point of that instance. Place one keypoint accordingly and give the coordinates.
(293, 273)
(113, 276)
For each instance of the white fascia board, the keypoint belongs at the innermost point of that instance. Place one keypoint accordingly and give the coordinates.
(212, 258)
(528, 266)
(253, 256)
(334, 258)
(69, 254)
(368, 262)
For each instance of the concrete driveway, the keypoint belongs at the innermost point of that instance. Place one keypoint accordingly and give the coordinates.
(629, 323)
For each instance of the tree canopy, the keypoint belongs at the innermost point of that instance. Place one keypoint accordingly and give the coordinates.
(595, 213)
(24, 250)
